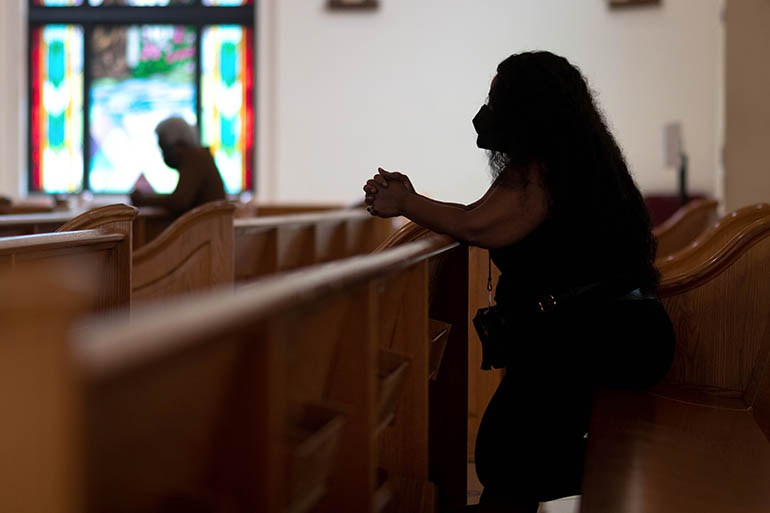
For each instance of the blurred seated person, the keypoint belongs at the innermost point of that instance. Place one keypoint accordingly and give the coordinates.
(199, 179)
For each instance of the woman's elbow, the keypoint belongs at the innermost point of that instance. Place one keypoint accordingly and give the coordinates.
(489, 238)
(473, 235)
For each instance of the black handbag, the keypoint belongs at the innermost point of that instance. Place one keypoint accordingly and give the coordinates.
(493, 327)
(497, 326)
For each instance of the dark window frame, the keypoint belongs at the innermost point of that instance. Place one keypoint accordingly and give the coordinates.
(196, 15)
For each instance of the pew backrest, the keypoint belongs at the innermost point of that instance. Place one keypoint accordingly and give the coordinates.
(148, 224)
(684, 226)
(108, 219)
(265, 245)
(195, 252)
(100, 239)
(28, 224)
(409, 232)
(192, 404)
(700, 440)
(719, 236)
(257, 209)
(481, 384)
(720, 307)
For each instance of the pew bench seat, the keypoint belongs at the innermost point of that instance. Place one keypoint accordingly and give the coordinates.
(675, 450)
(699, 441)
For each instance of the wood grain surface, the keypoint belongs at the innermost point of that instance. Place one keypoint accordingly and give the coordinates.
(684, 226)
(194, 253)
(700, 441)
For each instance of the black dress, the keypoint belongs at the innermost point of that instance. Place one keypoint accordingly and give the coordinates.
(531, 441)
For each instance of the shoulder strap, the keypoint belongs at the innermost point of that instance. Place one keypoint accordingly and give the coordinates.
(489, 281)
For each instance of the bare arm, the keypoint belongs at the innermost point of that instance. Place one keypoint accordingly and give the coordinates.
(502, 217)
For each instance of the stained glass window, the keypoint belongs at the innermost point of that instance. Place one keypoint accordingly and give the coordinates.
(229, 3)
(58, 3)
(100, 86)
(140, 75)
(56, 108)
(227, 106)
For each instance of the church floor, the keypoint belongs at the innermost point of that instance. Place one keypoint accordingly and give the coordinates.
(566, 505)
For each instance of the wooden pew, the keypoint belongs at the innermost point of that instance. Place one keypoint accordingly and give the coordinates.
(32, 223)
(194, 253)
(265, 245)
(174, 262)
(147, 224)
(720, 234)
(99, 239)
(684, 226)
(258, 209)
(481, 384)
(39, 434)
(701, 440)
(31, 205)
(448, 351)
(231, 401)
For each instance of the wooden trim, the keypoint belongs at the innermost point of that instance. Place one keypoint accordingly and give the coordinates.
(23, 243)
(120, 219)
(99, 217)
(195, 252)
(718, 233)
(410, 232)
(246, 225)
(113, 343)
(34, 219)
(684, 226)
(713, 256)
(275, 244)
(276, 209)
(179, 226)
(683, 213)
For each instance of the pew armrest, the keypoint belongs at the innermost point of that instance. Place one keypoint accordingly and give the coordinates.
(651, 453)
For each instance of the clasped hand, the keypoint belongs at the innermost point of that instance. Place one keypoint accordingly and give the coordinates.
(386, 193)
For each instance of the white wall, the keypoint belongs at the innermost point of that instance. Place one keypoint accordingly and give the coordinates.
(13, 129)
(397, 87)
(341, 93)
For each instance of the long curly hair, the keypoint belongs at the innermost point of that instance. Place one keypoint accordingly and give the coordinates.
(551, 119)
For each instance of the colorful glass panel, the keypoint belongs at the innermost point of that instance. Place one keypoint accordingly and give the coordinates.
(56, 97)
(226, 3)
(140, 76)
(227, 102)
(58, 3)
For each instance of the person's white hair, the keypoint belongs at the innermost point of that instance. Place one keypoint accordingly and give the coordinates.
(176, 130)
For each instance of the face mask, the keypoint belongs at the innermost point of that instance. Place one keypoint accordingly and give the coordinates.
(491, 136)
